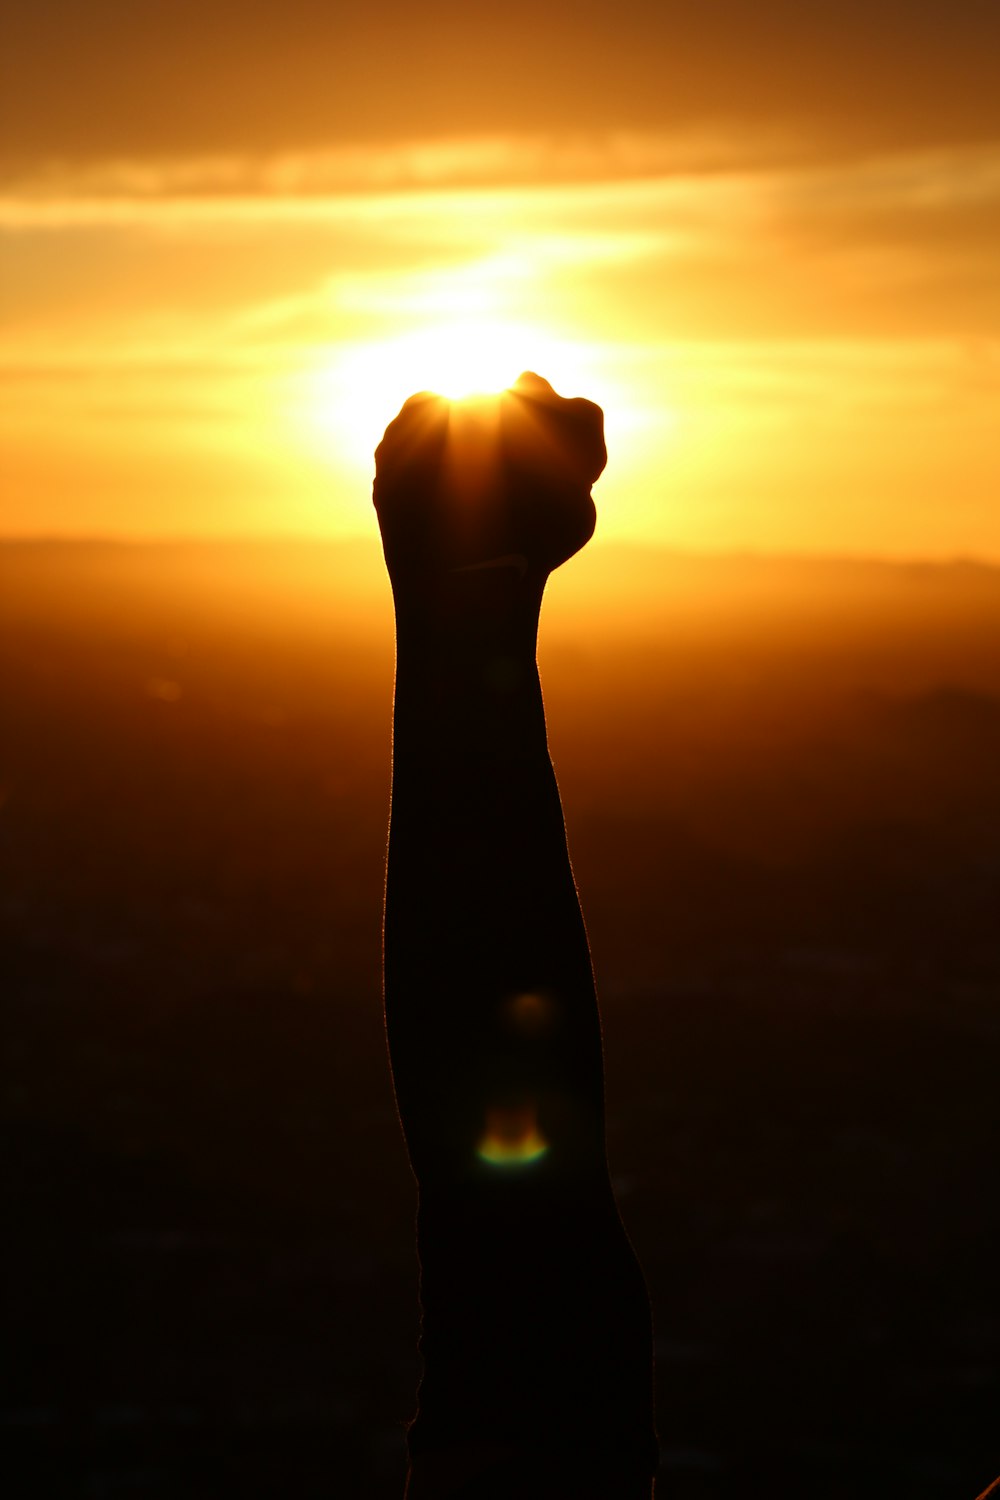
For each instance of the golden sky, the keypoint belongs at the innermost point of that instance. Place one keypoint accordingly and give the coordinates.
(765, 237)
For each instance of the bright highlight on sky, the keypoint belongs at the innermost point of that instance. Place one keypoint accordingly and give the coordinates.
(774, 266)
(344, 401)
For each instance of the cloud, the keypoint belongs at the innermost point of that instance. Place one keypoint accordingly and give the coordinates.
(888, 246)
(401, 166)
(184, 78)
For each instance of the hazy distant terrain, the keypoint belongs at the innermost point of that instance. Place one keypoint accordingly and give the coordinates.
(782, 786)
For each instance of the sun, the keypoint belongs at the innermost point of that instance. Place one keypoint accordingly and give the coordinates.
(345, 403)
(473, 359)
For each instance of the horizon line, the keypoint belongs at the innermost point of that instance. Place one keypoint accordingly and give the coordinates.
(311, 539)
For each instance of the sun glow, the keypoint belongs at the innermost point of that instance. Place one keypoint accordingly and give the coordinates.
(346, 402)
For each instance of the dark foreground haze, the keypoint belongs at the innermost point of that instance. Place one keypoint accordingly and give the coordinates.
(782, 786)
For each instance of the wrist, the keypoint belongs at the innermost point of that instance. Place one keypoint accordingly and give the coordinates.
(466, 675)
(465, 616)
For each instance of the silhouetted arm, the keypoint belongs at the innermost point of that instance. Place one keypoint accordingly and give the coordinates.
(490, 1003)
(536, 1336)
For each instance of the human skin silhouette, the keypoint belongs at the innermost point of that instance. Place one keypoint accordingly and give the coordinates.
(536, 1335)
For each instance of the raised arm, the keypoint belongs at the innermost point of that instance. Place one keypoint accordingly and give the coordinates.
(535, 1337)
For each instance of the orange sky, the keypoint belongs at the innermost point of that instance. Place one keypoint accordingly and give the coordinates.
(763, 237)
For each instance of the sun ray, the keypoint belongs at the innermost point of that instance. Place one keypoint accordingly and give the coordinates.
(343, 403)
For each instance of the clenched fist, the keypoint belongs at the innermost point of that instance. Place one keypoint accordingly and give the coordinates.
(494, 483)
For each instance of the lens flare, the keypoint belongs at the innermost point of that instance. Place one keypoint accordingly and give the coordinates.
(512, 1137)
(530, 1014)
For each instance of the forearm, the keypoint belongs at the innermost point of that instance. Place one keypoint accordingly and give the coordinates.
(481, 906)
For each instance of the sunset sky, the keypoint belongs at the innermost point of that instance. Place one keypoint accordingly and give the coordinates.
(765, 237)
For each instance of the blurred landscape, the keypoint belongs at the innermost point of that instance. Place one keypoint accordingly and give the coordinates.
(782, 787)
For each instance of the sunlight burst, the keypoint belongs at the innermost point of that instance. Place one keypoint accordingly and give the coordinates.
(347, 401)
